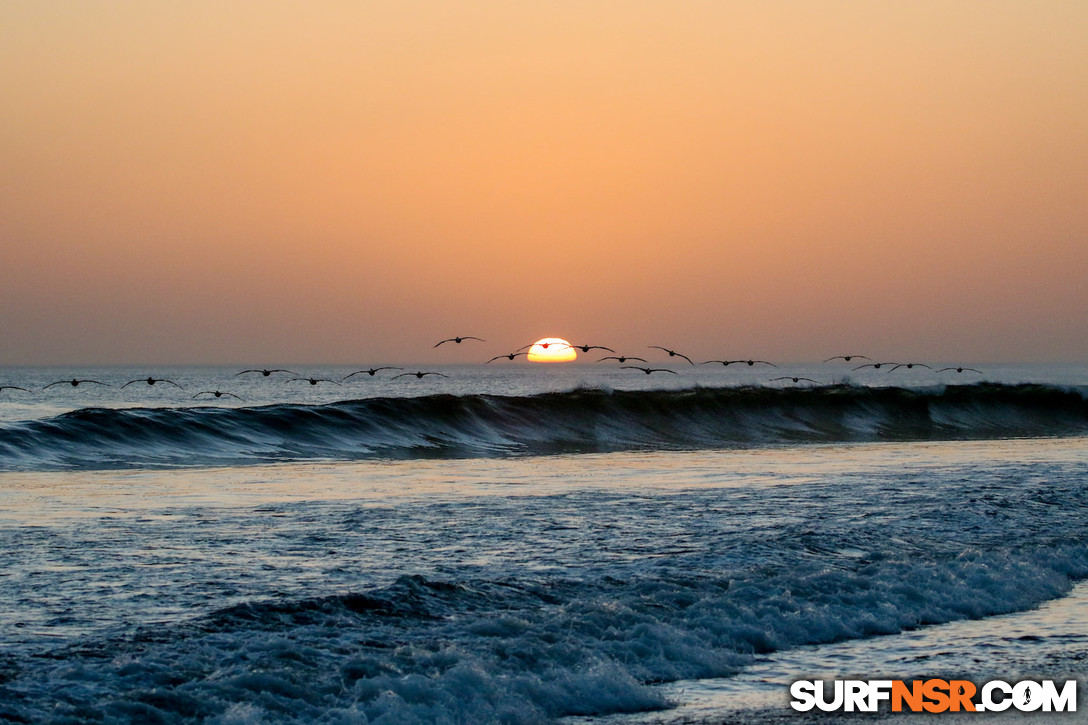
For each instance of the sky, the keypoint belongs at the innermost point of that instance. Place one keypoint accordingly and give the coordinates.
(264, 182)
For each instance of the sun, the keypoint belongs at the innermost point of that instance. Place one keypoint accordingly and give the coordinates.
(552, 350)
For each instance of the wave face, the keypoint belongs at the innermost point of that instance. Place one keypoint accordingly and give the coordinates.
(587, 420)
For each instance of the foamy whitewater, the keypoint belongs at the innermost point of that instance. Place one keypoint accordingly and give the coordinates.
(531, 544)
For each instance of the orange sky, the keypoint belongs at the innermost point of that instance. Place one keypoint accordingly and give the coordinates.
(262, 181)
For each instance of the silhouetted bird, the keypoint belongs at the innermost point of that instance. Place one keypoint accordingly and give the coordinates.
(216, 393)
(370, 371)
(266, 373)
(151, 381)
(749, 363)
(796, 380)
(314, 381)
(74, 383)
(847, 358)
(12, 387)
(648, 370)
(673, 353)
(587, 348)
(420, 374)
(908, 366)
(622, 358)
(961, 370)
(458, 340)
(543, 345)
(874, 366)
(508, 356)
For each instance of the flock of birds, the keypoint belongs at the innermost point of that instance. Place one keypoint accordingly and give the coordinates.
(524, 350)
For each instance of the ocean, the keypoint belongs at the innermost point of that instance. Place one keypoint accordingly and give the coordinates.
(515, 543)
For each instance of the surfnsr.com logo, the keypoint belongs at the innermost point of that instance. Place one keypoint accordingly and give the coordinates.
(933, 696)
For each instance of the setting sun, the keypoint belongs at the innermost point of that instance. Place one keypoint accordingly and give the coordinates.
(552, 349)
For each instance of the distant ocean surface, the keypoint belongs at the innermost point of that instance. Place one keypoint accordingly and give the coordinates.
(531, 543)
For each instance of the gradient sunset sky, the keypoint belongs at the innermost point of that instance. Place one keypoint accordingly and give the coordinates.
(270, 182)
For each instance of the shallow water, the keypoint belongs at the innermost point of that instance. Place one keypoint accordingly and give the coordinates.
(553, 580)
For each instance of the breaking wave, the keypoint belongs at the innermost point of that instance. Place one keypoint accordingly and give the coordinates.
(509, 651)
(584, 420)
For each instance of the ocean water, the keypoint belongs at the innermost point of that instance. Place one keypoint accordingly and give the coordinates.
(531, 544)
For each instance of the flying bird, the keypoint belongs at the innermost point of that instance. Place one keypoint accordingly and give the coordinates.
(314, 381)
(587, 348)
(266, 373)
(216, 393)
(648, 370)
(543, 345)
(420, 374)
(74, 382)
(908, 366)
(622, 358)
(508, 356)
(370, 371)
(151, 381)
(12, 387)
(459, 340)
(749, 363)
(673, 353)
(874, 366)
(961, 370)
(847, 358)
(797, 379)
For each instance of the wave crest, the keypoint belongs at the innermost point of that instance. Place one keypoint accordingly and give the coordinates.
(447, 426)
